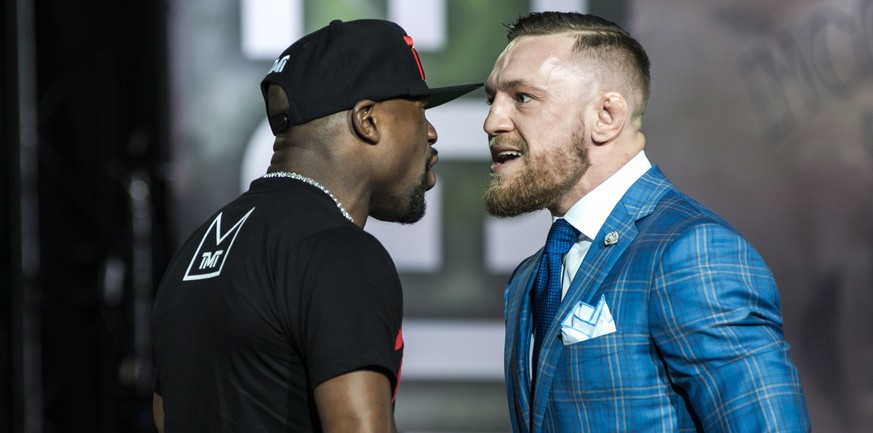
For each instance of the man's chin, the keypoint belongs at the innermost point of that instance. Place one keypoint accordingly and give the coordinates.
(410, 217)
(415, 211)
(505, 201)
(411, 213)
(504, 210)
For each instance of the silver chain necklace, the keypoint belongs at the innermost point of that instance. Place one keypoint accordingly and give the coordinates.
(303, 178)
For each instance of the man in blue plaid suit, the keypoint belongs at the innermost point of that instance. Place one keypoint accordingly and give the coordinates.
(667, 319)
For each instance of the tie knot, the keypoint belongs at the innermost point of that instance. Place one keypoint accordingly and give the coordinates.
(561, 237)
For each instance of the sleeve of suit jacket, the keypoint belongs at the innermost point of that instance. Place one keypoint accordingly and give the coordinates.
(715, 314)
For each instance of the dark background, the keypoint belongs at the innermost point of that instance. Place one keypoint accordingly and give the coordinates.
(85, 130)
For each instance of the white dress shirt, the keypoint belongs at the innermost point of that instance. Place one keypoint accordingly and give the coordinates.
(590, 213)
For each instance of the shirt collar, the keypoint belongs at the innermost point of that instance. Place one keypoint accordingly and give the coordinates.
(591, 211)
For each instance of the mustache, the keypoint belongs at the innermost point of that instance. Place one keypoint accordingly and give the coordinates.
(498, 140)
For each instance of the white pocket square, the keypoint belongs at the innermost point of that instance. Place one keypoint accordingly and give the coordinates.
(586, 322)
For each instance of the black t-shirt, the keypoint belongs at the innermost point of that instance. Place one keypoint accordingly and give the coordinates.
(274, 294)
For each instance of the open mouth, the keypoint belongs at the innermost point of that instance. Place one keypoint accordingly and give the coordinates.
(504, 156)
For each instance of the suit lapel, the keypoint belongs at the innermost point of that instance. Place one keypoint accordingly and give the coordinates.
(599, 260)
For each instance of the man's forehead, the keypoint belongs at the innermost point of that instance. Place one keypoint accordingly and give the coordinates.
(555, 42)
(529, 57)
(531, 50)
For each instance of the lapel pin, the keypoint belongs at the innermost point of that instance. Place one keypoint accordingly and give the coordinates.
(610, 239)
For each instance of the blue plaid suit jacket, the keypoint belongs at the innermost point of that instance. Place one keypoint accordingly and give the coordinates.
(699, 344)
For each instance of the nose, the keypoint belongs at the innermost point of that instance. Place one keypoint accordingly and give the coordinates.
(431, 133)
(497, 120)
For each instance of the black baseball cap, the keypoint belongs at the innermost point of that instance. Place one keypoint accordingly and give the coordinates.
(331, 69)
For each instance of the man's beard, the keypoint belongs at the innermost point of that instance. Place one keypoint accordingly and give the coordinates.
(544, 178)
(415, 205)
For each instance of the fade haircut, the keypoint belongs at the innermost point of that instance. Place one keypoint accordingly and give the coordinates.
(596, 36)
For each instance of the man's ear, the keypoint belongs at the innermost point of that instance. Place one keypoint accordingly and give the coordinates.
(612, 113)
(364, 121)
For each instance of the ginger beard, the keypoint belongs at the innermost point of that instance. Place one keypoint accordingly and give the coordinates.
(543, 179)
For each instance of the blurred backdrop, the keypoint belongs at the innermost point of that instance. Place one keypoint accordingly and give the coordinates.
(127, 123)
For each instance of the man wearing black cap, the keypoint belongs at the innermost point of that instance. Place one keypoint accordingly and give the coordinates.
(280, 313)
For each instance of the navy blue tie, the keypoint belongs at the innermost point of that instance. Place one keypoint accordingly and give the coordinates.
(547, 295)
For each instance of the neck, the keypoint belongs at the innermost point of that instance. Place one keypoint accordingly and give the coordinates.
(333, 165)
(315, 183)
(599, 170)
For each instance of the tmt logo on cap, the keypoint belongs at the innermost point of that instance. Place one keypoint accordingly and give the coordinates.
(279, 64)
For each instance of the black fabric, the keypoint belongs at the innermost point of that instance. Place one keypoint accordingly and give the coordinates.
(297, 295)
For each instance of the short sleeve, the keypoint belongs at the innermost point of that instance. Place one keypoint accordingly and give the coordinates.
(352, 306)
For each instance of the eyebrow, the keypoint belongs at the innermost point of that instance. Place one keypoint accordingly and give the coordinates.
(512, 84)
(517, 83)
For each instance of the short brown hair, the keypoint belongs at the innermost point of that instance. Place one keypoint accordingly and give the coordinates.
(600, 37)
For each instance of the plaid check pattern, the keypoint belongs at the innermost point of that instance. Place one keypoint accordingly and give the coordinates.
(699, 345)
